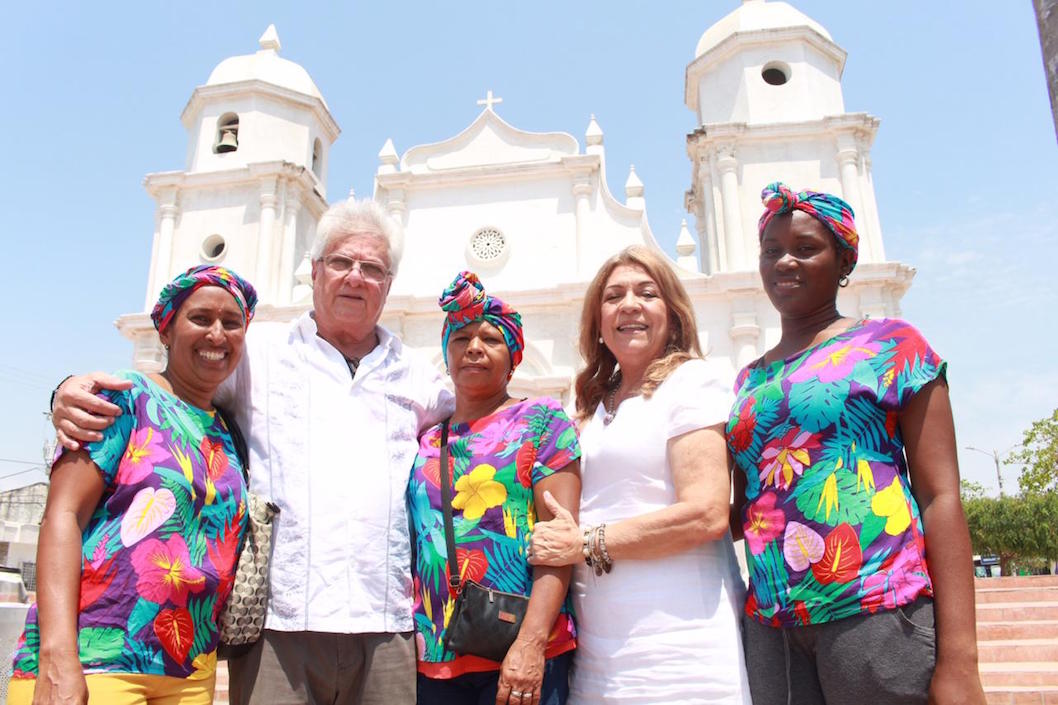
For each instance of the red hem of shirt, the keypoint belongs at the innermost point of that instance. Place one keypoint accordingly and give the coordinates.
(461, 665)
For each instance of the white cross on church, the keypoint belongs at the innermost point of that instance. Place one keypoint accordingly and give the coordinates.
(488, 101)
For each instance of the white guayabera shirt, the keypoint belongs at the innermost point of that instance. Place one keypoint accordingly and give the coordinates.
(334, 452)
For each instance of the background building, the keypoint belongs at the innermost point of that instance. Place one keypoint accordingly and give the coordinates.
(531, 213)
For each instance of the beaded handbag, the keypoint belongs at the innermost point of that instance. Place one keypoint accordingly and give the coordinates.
(242, 618)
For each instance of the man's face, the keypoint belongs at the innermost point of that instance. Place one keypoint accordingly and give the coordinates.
(349, 286)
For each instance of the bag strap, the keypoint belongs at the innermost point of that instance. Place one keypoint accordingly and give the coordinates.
(446, 502)
(238, 440)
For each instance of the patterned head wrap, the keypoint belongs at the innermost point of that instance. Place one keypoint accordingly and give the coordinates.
(829, 210)
(175, 293)
(465, 301)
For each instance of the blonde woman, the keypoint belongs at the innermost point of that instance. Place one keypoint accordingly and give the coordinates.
(656, 587)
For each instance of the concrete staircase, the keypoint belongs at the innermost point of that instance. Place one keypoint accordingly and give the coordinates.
(1017, 639)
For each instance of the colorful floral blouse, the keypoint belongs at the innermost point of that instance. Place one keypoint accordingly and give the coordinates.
(159, 553)
(831, 528)
(497, 460)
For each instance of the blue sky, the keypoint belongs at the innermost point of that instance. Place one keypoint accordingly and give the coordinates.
(964, 162)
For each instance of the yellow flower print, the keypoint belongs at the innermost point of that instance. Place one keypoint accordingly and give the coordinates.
(830, 492)
(205, 666)
(892, 504)
(510, 525)
(184, 461)
(864, 474)
(477, 492)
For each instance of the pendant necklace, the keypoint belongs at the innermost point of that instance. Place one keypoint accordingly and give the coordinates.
(609, 408)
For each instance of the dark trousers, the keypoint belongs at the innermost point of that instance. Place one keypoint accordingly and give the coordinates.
(885, 658)
(480, 688)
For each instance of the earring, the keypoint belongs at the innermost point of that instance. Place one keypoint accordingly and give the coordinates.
(600, 340)
(844, 281)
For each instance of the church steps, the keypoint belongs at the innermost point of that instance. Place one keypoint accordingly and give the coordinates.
(1017, 639)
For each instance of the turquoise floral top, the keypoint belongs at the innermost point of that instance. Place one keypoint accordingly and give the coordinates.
(496, 461)
(831, 528)
(159, 552)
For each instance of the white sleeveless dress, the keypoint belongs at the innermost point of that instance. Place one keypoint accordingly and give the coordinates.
(665, 630)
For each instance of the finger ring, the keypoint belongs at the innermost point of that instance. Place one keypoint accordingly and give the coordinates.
(517, 693)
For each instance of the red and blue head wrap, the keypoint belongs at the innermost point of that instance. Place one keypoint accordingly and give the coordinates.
(465, 301)
(175, 293)
(829, 210)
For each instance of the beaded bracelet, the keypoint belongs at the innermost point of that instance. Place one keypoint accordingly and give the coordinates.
(594, 549)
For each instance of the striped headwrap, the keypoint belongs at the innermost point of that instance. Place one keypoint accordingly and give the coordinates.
(465, 301)
(829, 210)
(175, 293)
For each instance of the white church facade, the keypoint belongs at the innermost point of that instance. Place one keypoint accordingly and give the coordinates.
(531, 213)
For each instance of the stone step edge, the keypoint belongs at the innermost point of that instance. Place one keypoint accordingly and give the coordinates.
(1019, 667)
(1018, 642)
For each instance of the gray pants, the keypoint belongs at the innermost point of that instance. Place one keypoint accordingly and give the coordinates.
(319, 668)
(885, 658)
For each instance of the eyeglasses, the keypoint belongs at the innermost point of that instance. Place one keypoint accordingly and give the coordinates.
(374, 272)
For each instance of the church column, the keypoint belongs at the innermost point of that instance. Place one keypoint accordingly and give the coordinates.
(848, 165)
(581, 192)
(285, 282)
(727, 165)
(397, 208)
(745, 330)
(863, 139)
(265, 237)
(167, 212)
(706, 222)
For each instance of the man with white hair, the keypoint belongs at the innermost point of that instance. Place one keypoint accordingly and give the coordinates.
(331, 404)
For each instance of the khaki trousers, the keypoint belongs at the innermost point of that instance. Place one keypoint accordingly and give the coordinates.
(319, 668)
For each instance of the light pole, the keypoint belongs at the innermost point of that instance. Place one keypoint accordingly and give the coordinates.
(995, 456)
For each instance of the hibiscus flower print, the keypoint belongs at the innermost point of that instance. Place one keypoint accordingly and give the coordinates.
(904, 580)
(164, 571)
(143, 451)
(741, 435)
(787, 457)
(763, 523)
(834, 361)
(477, 492)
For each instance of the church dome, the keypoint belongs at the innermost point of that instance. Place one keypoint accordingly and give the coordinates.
(265, 65)
(755, 16)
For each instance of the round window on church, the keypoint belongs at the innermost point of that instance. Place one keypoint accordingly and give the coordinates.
(775, 73)
(487, 248)
(213, 248)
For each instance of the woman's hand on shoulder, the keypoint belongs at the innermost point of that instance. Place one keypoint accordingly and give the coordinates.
(557, 542)
(522, 673)
(60, 681)
(78, 414)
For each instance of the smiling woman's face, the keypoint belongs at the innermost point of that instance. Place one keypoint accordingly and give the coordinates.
(634, 321)
(478, 359)
(801, 264)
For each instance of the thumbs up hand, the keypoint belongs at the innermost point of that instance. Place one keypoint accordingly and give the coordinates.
(556, 542)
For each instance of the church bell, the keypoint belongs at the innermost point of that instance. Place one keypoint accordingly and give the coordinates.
(229, 142)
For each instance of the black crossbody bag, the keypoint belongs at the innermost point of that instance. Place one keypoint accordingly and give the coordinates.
(485, 622)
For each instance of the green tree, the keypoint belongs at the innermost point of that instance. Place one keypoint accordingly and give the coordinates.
(1039, 456)
(1014, 528)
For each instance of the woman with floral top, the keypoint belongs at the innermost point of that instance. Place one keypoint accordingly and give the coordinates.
(142, 527)
(504, 454)
(847, 484)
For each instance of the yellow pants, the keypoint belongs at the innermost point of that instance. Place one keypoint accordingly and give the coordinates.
(128, 689)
